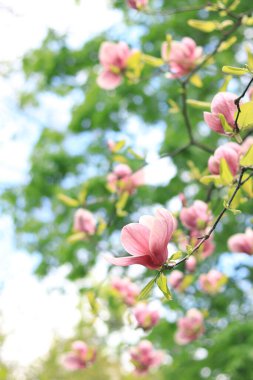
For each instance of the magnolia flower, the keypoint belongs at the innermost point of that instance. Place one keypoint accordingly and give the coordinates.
(175, 279)
(242, 242)
(147, 240)
(126, 289)
(145, 317)
(231, 154)
(80, 356)
(182, 56)
(84, 221)
(137, 4)
(190, 327)
(247, 143)
(222, 103)
(113, 57)
(197, 216)
(191, 264)
(144, 357)
(123, 179)
(206, 249)
(212, 281)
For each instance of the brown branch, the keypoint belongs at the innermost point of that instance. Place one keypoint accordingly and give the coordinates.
(224, 210)
(237, 103)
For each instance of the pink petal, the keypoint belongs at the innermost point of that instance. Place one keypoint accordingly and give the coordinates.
(169, 219)
(213, 122)
(135, 238)
(131, 260)
(159, 238)
(108, 80)
(147, 220)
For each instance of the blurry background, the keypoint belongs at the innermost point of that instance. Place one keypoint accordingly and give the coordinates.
(54, 121)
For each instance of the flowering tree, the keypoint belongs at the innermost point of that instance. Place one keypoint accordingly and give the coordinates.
(186, 71)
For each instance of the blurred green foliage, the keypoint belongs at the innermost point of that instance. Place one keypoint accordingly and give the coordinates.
(43, 223)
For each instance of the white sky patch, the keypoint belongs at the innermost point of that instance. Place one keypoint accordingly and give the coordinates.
(32, 315)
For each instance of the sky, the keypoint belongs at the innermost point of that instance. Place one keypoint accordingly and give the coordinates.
(24, 300)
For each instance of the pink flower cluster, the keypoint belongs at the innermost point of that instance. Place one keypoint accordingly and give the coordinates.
(182, 56)
(223, 103)
(145, 357)
(231, 152)
(176, 279)
(242, 242)
(146, 317)
(196, 217)
(80, 357)
(137, 4)
(147, 240)
(113, 57)
(127, 290)
(84, 221)
(212, 281)
(190, 327)
(123, 179)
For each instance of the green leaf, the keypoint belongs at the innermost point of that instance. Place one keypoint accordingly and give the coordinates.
(196, 80)
(247, 159)
(152, 61)
(227, 44)
(204, 26)
(67, 200)
(177, 255)
(245, 120)
(227, 128)
(225, 83)
(207, 179)
(234, 70)
(76, 237)
(205, 106)
(163, 286)
(118, 146)
(145, 291)
(120, 205)
(225, 173)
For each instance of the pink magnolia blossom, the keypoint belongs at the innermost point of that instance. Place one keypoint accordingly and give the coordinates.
(127, 290)
(247, 143)
(113, 57)
(182, 56)
(205, 250)
(145, 357)
(191, 264)
(231, 154)
(137, 4)
(175, 279)
(222, 103)
(242, 242)
(190, 327)
(80, 357)
(212, 281)
(84, 221)
(123, 179)
(197, 216)
(145, 316)
(147, 240)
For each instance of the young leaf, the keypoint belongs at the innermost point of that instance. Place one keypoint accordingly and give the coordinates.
(163, 286)
(177, 255)
(196, 81)
(152, 61)
(247, 160)
(120, 205)
(227, 128)
(225, 173)
(245, 119)
(146, 290)
(77, 236)
(67, 200)
(207, 179)
(204, 26)
(205, 106)
(227, 44)
(234, 70)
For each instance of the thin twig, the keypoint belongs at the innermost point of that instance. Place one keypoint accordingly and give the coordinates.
(224, 210)
(237, 103)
